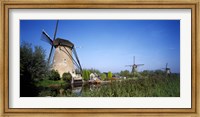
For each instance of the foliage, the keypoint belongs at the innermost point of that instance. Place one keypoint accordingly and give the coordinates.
(51, 88)
(92, 70)
(137, 87)
(144, 87)
(32, 61)
(54, 75)
(48, 83)
(135, 75)
(143, 74)
(160, 74)
(146, 73)
(52, 91)
(103, 76)
(39, 64)
(109, 75)
(125, 73)
(86, 74)
(33, 68)
(156, 74)
(67, 77)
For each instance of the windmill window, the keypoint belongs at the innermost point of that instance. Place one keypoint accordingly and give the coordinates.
(64, 60)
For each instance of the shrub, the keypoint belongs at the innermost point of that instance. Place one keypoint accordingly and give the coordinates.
(109, 75)
(32, 61)
(92, 70)
(86, 74)
(67, 77)
(54, 75)
(125, 73)
(33, 68)
(103, 76)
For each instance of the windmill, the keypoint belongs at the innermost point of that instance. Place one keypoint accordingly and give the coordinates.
(65, 57)
(134, 66)
(167, 70)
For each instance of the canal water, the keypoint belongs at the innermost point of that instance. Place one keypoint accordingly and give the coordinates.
(69, 90)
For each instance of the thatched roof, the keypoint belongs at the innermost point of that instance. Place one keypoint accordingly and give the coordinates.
(62, 42)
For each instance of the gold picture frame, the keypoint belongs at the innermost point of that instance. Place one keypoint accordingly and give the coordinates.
(108, 4)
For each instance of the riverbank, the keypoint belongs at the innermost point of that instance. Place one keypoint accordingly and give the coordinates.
(130, 87)
(146, 87)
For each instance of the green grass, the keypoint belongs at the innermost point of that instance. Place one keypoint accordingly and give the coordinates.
(47, 83)
(148, 87)
(50, 87)
(131, 87)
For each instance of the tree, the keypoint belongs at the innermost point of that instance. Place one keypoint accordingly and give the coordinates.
(33, 67)
(54, 75)
(145, 73)
(125, 73)
(109, 75)
(92, 70)
(67, 77)
(39, 67)
(86, 74)
(103, 76)
(159, 74)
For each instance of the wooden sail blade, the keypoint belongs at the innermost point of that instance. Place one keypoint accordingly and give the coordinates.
(55, 30)
(50, 54)
(45, 37)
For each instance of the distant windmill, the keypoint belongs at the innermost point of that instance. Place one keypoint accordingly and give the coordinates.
(63, 59)
(167, 70)
(134, 66)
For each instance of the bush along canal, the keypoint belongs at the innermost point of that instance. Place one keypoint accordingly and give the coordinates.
(130, 87)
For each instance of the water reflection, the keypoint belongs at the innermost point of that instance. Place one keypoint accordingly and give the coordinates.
(94, 86)
(74, 90)
(77, 89)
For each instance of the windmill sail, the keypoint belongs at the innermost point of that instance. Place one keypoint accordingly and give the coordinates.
(45, 37)
(51, 51)
(76, 55)
(55, 30)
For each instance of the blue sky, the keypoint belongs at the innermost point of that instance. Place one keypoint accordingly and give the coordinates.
(109, 45)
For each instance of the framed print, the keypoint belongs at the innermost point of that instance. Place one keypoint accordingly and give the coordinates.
(102, 57)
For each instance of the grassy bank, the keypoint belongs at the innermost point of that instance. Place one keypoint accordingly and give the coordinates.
(50, 87)
(48, 83)
(147, 87)
(131, 87)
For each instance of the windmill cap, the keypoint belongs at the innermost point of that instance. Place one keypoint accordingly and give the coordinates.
(62, 42)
